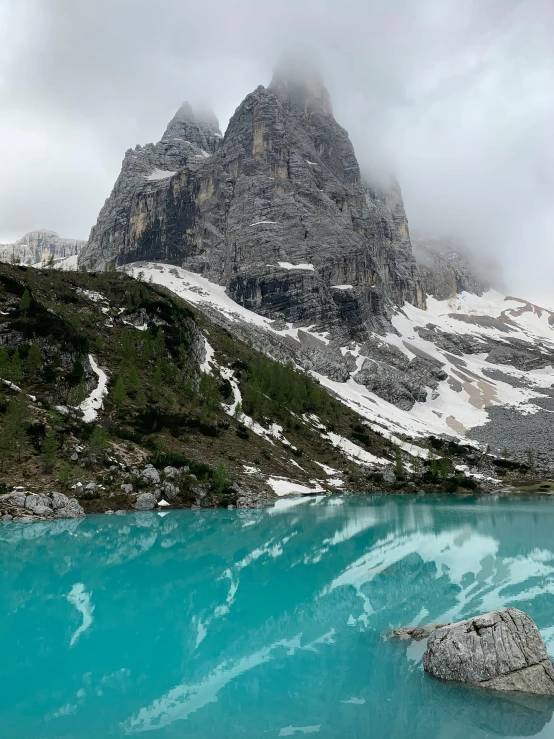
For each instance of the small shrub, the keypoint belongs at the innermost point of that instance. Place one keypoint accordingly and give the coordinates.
(242, 432)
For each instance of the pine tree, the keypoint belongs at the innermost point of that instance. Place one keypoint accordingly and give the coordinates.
(16, 368)
(14, 434)
(49, 452)
(209, 392)
(119, 392)
(77, 394)
(25, 303)
(133, 381)
(444, 466)
(398, 464)
(159, 344)
(51, 260)
(147, 346)
(99, 440)
(34, 358)
(128, 350)
(5, 364)
(77, 373)
(220, 478)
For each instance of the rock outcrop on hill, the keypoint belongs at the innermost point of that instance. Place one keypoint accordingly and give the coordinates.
(277, 212)
(39, 246)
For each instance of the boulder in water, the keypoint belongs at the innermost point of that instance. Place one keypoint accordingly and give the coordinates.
(501, 650)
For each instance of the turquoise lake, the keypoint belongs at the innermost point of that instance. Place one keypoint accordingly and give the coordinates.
(265, 623)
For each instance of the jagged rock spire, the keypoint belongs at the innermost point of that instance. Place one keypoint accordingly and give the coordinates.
(299, 83)
(198, 128)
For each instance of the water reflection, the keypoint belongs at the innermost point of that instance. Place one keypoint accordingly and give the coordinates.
(264, 622)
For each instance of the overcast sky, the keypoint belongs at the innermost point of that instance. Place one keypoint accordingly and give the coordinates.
(455, 96)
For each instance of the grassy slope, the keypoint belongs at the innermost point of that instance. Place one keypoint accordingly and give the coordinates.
(167, 407)
(175, 410)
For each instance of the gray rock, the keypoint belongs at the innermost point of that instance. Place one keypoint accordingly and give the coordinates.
(91, 486)
(171, 471)
(170, 490)
(127, 487)
(150, 475)
(445, 269)
(145, 502)
(72, 509)
(388, 475)
(39, 504)
(74, 457)
(14, 498)
(501, 650)
(59, 500)
(200, 490)
(414, 633)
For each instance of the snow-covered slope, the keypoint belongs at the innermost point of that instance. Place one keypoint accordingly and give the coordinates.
(493, 352)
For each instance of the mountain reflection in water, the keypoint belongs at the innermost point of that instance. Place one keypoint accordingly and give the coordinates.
(267, 622)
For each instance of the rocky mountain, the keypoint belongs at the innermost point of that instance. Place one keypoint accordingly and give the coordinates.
(446, 271)
(38, 246)
(276, 211)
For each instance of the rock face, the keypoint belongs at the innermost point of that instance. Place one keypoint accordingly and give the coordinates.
(277, 212)
(445, 270)
(501, 650)
(145, 502)
(39, 246)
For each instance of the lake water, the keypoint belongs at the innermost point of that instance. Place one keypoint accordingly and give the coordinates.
(267, 623)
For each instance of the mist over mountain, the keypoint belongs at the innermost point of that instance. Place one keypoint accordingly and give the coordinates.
(455, 100)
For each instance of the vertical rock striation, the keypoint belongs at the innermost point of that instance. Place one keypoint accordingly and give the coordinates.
(277, 211)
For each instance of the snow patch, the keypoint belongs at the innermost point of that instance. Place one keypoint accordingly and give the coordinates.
(302, 265)
(206, 365)
(91, 405)
(284, 486)
(160, 174)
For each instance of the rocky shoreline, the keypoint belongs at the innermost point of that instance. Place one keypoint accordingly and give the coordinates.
(164, 493)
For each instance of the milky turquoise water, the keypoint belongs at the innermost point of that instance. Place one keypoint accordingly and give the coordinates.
(224, 624)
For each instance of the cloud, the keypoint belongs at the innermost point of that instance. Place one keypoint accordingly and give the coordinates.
(455, 97)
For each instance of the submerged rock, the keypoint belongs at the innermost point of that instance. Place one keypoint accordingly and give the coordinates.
(415, 633)
(501, 650)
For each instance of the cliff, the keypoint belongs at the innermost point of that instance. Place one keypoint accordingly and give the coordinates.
(39, 246)
(276, 211)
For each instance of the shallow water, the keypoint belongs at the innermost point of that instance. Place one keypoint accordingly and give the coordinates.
(215, 624)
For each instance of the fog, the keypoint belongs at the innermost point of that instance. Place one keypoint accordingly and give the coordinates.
(456, 97)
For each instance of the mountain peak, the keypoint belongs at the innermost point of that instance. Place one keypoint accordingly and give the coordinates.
(301, 85)
(186, 122)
